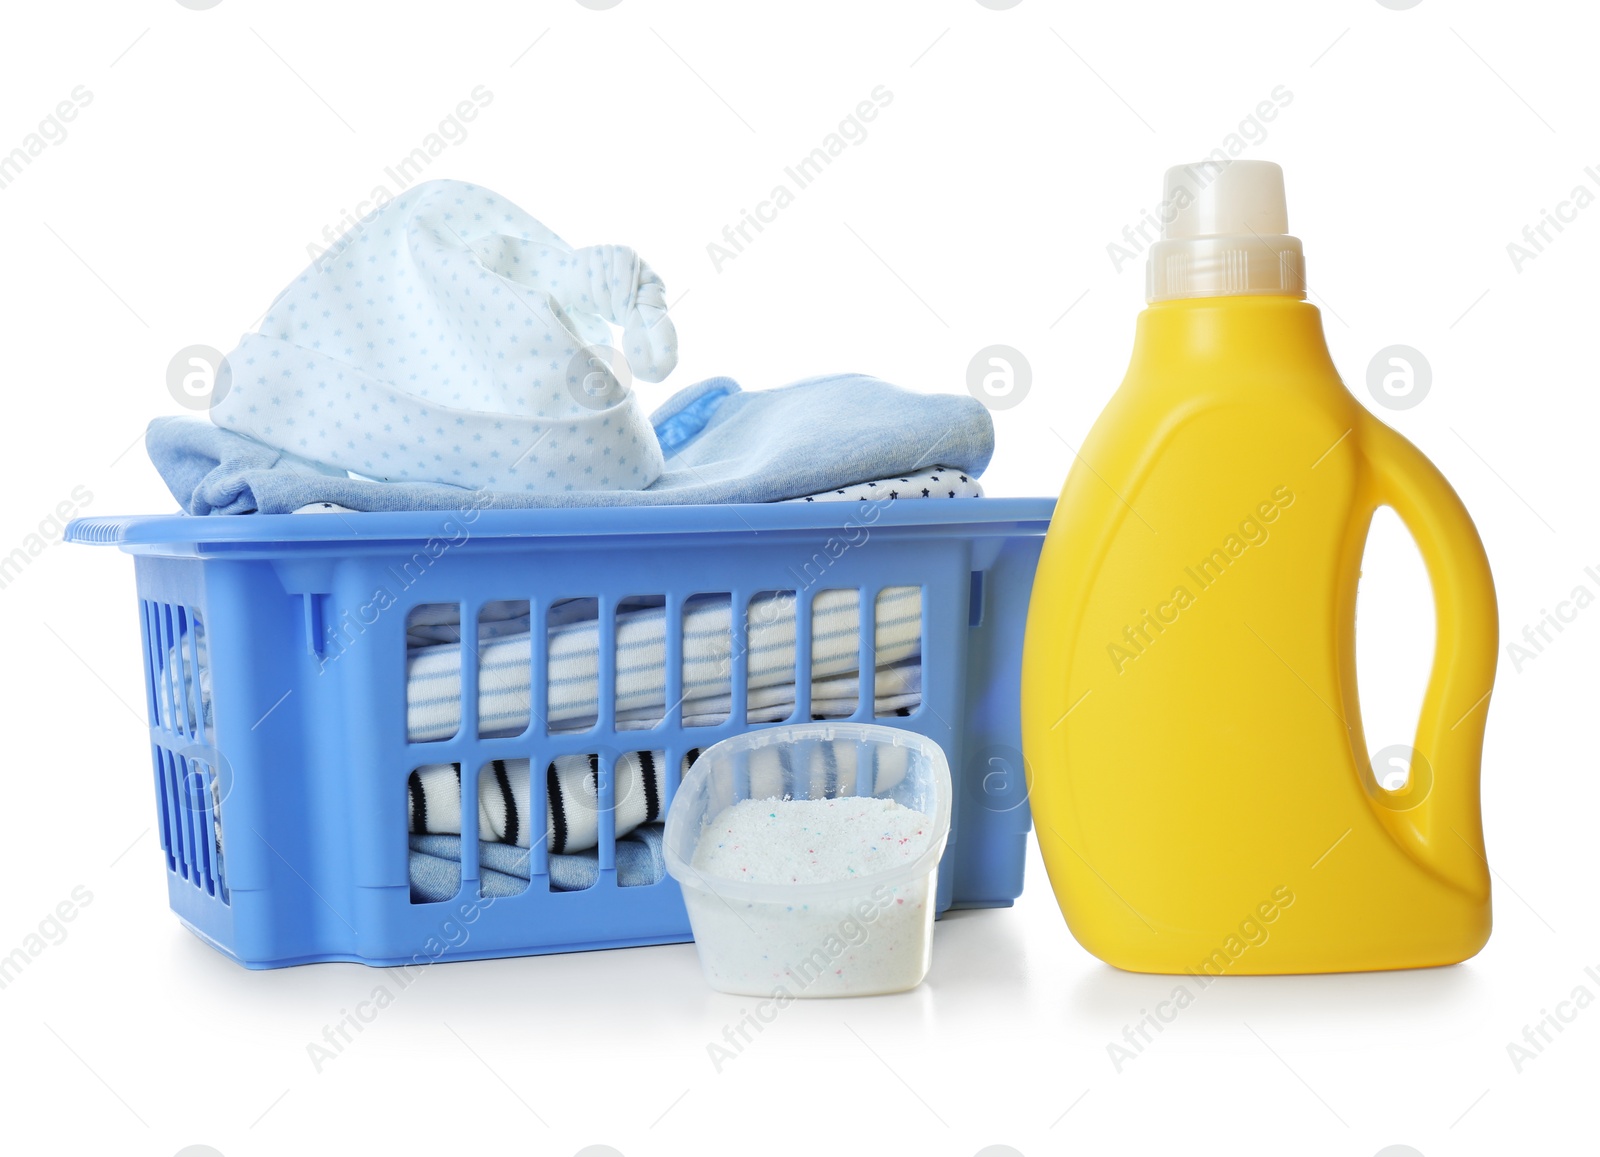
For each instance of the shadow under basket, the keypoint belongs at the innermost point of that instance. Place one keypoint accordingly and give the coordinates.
(285, 655)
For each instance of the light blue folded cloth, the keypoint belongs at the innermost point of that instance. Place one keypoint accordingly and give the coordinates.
(721, 444)
(503, 869)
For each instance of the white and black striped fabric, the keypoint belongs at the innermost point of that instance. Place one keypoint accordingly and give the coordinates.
(572, 821)
(433, 673)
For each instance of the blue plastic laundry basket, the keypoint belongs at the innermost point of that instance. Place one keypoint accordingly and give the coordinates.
(284, 723)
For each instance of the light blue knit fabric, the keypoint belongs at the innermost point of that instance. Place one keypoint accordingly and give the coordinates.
(450, 337)
(720, 444)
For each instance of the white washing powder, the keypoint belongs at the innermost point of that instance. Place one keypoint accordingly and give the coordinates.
(871, 939)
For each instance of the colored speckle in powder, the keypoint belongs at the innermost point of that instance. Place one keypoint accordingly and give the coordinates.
(796, 843)
(812, 841)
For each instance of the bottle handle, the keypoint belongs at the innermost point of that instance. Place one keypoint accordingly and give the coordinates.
(1436, 815)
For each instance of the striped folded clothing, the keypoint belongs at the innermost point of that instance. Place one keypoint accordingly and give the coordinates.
(433, 664)
(433, 670)
(505, 870)
(572, 819)
(433, 696)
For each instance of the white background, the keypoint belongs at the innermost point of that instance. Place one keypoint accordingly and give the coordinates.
(218, 144)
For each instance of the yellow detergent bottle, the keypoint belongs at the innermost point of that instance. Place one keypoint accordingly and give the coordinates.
(1199, 779)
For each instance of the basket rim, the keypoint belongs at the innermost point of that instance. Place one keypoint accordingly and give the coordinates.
(985, 515)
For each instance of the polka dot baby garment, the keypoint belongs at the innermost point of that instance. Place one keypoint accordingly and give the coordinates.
(452, 338)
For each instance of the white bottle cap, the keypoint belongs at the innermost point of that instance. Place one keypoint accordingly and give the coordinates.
(1225, 232)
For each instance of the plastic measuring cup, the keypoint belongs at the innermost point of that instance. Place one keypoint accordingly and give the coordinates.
(866, 934)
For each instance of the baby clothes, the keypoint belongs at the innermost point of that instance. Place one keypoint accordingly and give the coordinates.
(721, 444)
(450, 338)
(433, 664)
(825, 770)
(505, 869)
(934, 482)
(572, 813)
(433, 674)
